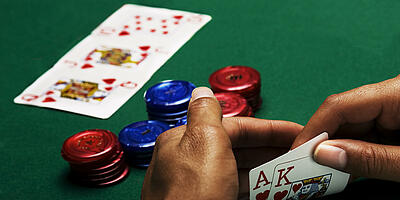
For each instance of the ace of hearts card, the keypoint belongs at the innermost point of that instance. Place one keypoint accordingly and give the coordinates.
(296, 176)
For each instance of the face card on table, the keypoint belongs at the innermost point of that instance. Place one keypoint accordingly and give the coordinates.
(285, 176)
(97, 94)
(118, 55)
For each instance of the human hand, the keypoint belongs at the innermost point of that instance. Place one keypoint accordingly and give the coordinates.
(210, 158)
(364, 123)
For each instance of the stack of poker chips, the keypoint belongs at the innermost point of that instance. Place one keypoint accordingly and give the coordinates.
(138, 140)
(181, 122)
(95, 157)
(168, 101)
(233, 105)
(238, 79)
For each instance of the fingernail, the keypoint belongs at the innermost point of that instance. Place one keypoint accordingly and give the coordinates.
(331, 156)
(201, 92)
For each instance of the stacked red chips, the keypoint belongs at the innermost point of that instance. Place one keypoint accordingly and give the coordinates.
(241, 80)
(95, 157)
(233, 105)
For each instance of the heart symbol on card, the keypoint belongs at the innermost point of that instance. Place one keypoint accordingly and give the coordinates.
(29, 97)
(262, 195)
(144, 48)
(129, 84)
(108, 88)
(49, 92)
(109, 80)
(280, 195)
(86, 66)
(178, 17)
(48, 99)
(296, 187)
(123, 33)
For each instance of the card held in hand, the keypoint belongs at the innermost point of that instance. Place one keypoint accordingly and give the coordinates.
(295, 176)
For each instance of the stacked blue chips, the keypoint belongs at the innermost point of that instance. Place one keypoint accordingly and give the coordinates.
(181, 122)
(138, 140)
(168, 101)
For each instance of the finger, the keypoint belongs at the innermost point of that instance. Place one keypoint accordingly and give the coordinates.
(253, 132)
(204, 124)
(367, 103)
(253, 157)
(360, 158)
(243, 182)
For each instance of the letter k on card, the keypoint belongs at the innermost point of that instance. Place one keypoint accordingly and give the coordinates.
(285, 176)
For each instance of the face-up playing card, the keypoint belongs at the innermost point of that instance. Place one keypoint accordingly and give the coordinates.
(105, 69)
(295, 175)
(172, 28)
(97, 94)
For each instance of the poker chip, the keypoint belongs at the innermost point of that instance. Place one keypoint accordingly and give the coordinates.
(168, 101)
(233, 104)
(181, 122)
(241, 80)
(95, 157)
(138, 140)
(170, 95)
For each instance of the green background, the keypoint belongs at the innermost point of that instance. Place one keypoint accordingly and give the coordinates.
(305, 50)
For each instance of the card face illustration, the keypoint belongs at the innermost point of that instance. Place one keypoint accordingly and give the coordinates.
(119, 57)
(80, 90)
(310, 187)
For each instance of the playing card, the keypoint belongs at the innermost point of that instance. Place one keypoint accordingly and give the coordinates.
(295, 175)
(172, 28)
(104, 70)
(97, 94)
(117, 55)
(132, 21)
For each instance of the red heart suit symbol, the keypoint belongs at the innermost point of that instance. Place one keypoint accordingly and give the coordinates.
(108, 88)
(109, 80)
(280, 195)
(123, 33)
(48, 99)
(178, 17)
(296, 187)
(262, 195)
(86, 66)
(144, 48)
(49, 92)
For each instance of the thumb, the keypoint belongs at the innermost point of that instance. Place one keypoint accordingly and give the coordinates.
(204, 124)
(360, 158)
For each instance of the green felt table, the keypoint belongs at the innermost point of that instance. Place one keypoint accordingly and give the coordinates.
(304, 50)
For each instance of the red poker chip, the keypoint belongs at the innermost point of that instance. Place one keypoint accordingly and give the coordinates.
(90, 146)
(238, 79)
(94, 177)
(232, 104)
(106, 180)
(234, 79)
(84, 170)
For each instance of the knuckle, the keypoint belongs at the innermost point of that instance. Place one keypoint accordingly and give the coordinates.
(332, 100)
(373, 160)
(201, 104)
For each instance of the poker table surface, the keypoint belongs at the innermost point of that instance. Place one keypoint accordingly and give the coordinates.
(304, 51)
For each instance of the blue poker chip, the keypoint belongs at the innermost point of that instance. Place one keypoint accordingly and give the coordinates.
(168, 115)
(140, 137)
(166, 120)
(181, 122)
(167, 96)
